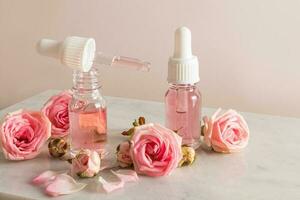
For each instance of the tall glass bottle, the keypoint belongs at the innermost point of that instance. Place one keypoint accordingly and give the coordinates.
(87, 113)
(183, 111)
(183, 98)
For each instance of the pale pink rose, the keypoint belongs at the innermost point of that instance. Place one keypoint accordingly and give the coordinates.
(123, 154)
(23, 133)
(155, 150)
(57, 110)
(86, 163)
(226, 133)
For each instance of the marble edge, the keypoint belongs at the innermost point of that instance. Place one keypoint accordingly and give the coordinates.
(7, 196)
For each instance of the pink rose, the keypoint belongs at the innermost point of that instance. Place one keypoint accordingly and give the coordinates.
(23, 133)
(155, 150)
(226, 133)
(86, 163)
(123, 154)
(56, 109)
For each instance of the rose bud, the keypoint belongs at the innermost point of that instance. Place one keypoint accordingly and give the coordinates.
(142, 121)
(123, 154)
(188, 156)
(86, 163)
(58, 147)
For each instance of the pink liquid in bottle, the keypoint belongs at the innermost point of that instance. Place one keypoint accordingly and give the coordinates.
(183, 113)
(88, 129)
(87, 113)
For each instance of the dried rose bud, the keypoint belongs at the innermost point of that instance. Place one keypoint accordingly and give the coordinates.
(188, 156)
(135, 123)
(142, 121)
(176, 131)
(58, 147)
(125, 133)
(129, 132)
(203, 129)
(139, 122)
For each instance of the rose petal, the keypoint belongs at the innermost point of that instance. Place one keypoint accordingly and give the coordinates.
(207, 131)
(94, 162)
(44, 177)
(63, 184)
(216, 114)
(218, 142)
(126, 175)
(110, 186)
(107, 164)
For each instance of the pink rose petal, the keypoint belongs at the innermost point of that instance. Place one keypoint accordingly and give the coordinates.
(123, 154)
(126, 175)
(108, 164)
(63, 184)
(110, 186)
(44, 177)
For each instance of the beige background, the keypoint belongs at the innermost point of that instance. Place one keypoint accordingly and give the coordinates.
(248, 49)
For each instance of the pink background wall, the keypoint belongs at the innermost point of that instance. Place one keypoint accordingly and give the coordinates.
(248, 50)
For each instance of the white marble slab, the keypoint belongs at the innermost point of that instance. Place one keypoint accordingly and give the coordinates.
(269, 168)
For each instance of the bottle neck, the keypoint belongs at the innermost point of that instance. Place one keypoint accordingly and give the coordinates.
(177, 85)
(85, 82)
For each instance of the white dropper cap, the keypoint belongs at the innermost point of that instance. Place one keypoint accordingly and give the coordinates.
(183, 66)
(75, 52)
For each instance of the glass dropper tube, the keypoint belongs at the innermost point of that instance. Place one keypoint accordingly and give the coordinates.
(121, 62)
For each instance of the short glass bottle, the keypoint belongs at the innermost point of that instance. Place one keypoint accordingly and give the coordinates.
(87, 113)
(183, 112)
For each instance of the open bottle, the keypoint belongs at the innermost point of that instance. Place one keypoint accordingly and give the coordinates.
(87, 110)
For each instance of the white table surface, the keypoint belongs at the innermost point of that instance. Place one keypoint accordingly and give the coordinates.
(269, 168)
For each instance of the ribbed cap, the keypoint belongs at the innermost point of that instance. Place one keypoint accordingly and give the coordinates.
(78, 52)
(183, 67)
(75, 52)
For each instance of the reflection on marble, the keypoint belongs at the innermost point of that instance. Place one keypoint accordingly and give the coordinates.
(267, 169)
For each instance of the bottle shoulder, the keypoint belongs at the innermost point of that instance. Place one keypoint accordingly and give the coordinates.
(92, 97)
(173, 88)
(192, 91)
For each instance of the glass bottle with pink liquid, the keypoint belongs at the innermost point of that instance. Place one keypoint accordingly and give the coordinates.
(183, 98)
(87, 110)
(87, 113)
